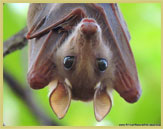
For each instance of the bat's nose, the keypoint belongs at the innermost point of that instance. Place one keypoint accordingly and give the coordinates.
(89, 27)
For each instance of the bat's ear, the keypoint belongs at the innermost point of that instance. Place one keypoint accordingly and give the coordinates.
(60, 99)
(102, 103)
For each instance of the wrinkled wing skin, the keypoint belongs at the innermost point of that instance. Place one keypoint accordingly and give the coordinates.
(54, 23)
(121, 20)
(126, 78)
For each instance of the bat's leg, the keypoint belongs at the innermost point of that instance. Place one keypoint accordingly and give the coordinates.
(102, 103)
(60, 98)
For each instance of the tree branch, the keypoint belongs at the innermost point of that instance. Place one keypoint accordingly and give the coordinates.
(17, 41)
(27, 97)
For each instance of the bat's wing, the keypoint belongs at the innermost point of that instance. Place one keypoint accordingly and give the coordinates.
(126, 81)
(51, 25)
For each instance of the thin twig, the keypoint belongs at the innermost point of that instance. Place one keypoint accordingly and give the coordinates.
(27, 97)
(18, 41)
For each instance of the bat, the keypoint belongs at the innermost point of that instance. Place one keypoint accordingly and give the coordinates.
(82, 52)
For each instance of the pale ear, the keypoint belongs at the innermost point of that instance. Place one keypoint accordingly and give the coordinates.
(60, 99)
(102, 103)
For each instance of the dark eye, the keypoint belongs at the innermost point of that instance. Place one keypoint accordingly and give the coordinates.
(68, 62)
(102, 64)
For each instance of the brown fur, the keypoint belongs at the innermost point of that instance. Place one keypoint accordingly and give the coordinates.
(84, 74)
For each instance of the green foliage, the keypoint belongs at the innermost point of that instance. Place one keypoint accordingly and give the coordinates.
(144, 23)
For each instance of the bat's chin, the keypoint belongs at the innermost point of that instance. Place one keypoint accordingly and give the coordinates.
(83, 92)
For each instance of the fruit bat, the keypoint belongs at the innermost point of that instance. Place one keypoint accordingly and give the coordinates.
(82, 52)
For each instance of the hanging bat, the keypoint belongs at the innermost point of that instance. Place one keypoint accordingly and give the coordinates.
(82, 52)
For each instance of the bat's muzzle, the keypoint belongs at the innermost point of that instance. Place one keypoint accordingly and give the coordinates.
(89, 27)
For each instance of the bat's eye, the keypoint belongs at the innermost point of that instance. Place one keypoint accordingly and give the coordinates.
(68, 62)
(102, 64)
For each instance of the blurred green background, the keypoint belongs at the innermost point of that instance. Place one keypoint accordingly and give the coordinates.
(144, 23)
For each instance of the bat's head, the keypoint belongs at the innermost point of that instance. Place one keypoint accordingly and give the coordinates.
(85, 72)
(84, 60)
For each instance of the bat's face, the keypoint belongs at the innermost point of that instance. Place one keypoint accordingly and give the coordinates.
(84, 60)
